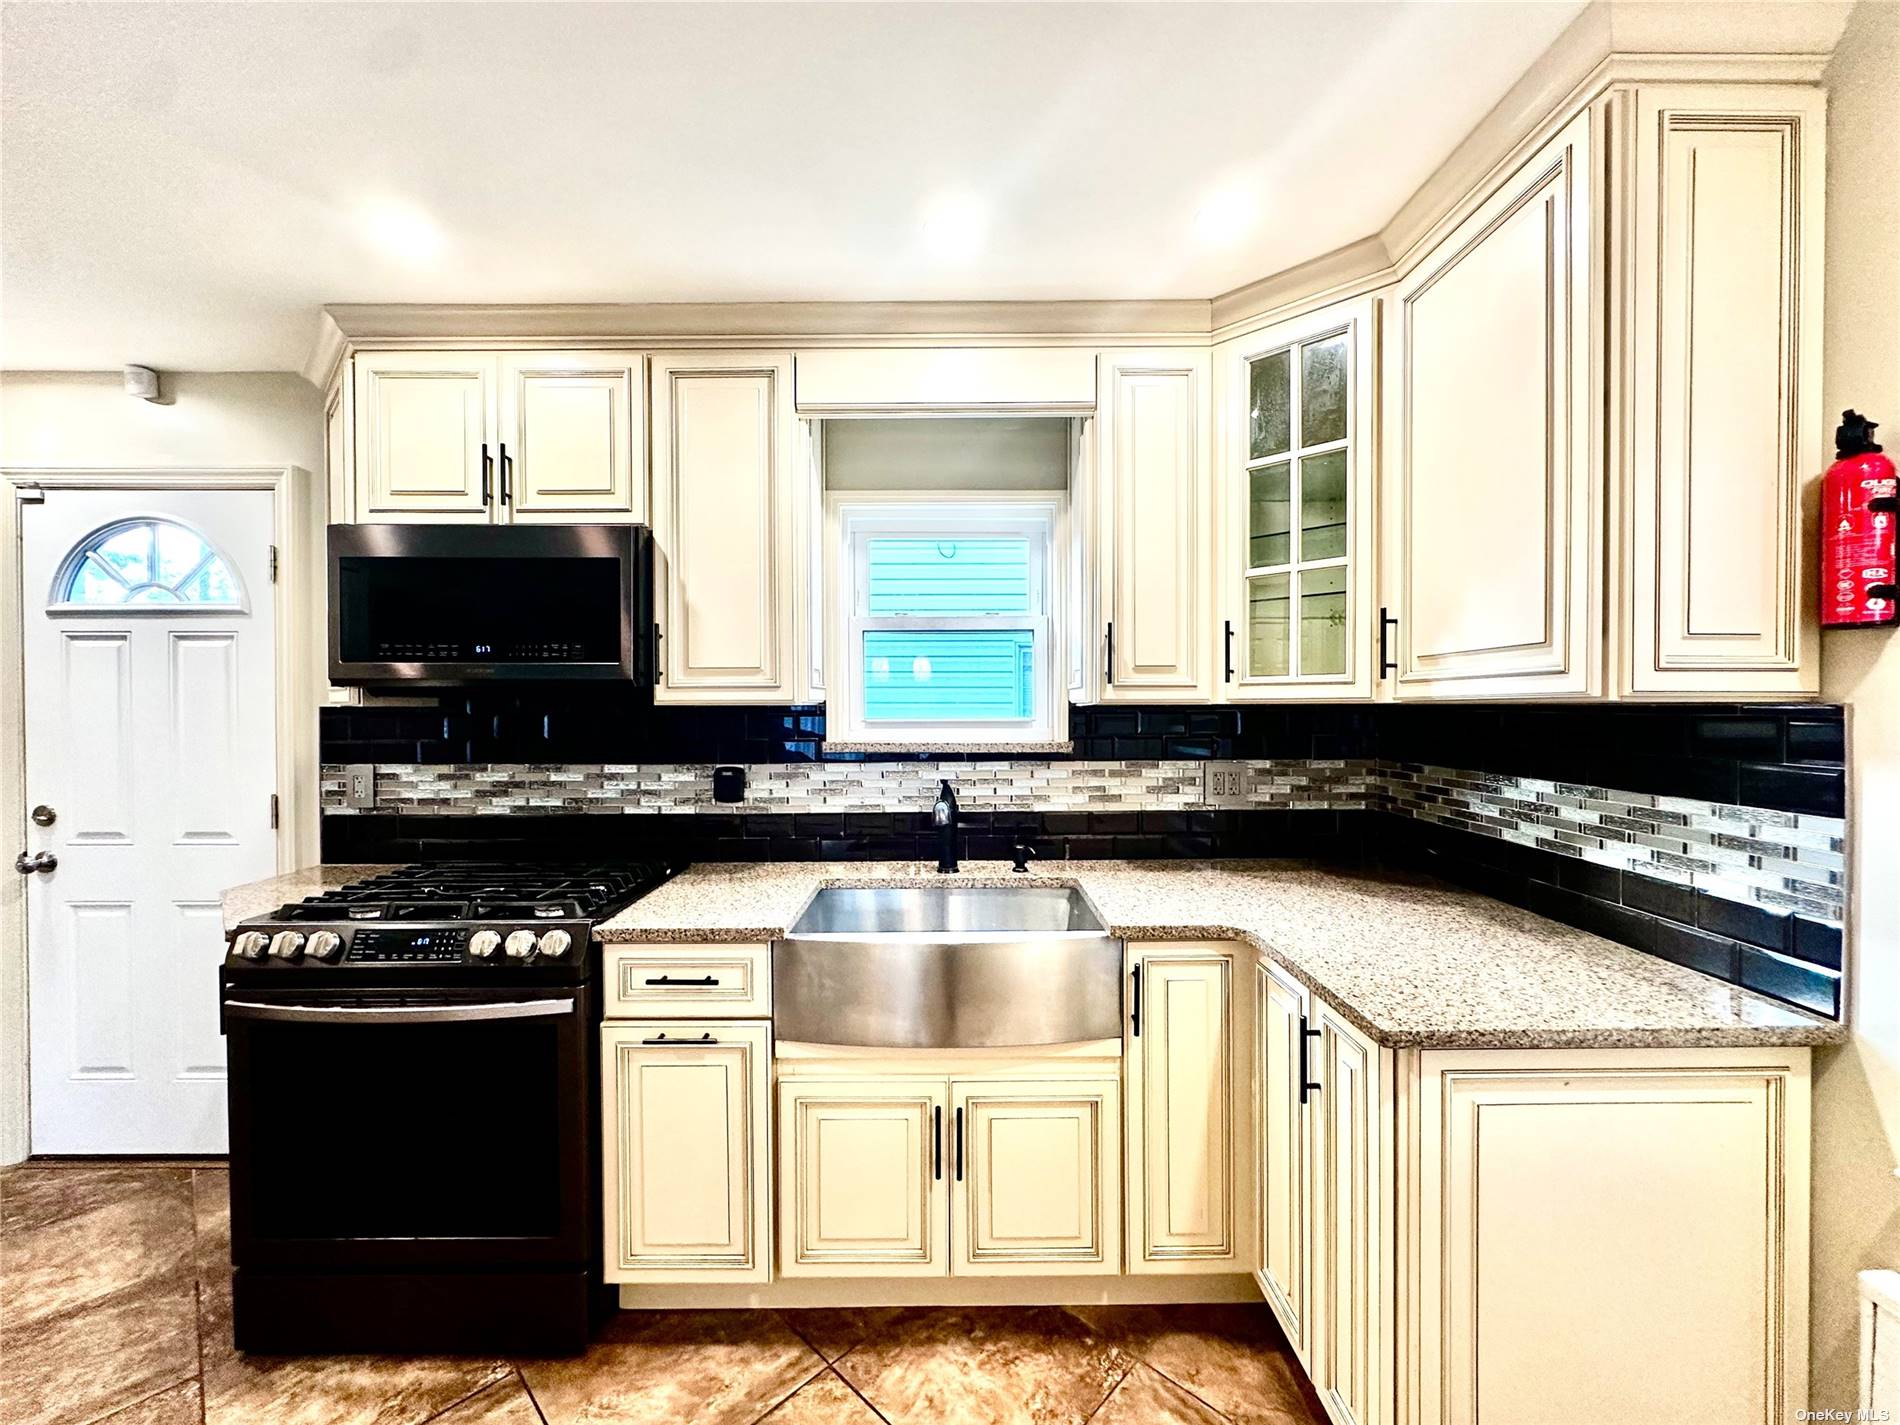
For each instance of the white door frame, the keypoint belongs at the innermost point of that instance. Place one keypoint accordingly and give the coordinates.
(296, 725)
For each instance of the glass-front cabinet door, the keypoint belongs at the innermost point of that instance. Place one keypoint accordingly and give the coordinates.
(1297, 485)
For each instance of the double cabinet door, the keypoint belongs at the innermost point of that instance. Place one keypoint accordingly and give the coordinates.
(929, 1177)
(483, 437)
(1324, 1157)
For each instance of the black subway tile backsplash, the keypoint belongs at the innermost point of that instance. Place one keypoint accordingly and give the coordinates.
(1805, 985)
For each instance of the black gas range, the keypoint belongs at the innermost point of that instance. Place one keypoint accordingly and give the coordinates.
(413, 1100)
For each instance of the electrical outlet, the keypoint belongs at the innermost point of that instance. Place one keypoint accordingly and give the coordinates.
(1226, 783)
(359, 784)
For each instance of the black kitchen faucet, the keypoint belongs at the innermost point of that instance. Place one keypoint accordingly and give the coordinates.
(944, 814)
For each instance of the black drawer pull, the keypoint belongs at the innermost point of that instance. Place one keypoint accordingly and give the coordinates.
(1134, 1018)
(660, 1040)
(1306, 1085)
(670, 980)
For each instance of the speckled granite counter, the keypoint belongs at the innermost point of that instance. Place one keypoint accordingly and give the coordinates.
(1411, 961)
(256, 897)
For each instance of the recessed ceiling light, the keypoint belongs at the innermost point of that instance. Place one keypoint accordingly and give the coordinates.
(401, 230)
(1227, 215)
(955, 225)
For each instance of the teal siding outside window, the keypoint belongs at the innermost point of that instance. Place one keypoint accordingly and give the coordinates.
(949, 675)
(947, 576)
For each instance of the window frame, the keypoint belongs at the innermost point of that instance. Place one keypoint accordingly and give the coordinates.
(854, 518)
(82, 548)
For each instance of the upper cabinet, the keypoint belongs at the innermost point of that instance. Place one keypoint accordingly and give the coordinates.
(1152, 482)
(484, 438)
(1494, 504)
(1724, 200)
(938, 380)
(1296, 482)
(728, 525)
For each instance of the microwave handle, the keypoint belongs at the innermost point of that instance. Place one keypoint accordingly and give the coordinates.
(396, 1013)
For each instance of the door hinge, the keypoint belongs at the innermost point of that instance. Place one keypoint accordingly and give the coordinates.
(273, 564)
(273, 811)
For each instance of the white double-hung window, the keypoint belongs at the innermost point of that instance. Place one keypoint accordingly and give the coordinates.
(943, 626)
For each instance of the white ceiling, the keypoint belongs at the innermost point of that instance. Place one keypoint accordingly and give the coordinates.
(185, 185)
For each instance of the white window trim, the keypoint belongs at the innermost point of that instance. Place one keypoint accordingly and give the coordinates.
(850, 518)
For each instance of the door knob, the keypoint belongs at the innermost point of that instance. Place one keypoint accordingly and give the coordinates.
(26, 865)
(44, 815)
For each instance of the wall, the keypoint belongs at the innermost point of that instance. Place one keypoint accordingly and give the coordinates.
(1857, 1087)
(82, 420)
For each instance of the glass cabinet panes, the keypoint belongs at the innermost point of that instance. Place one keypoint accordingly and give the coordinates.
(1323, 620)
(1299, 509)
(1270, 515)
(1323, 506)
(1267, 625)
(1269, 406)
(1323, 391)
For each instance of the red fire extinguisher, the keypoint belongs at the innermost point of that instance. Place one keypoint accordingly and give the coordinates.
(1859, 507)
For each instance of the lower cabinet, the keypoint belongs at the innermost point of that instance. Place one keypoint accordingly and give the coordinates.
(927, 1177)
(685, 1138)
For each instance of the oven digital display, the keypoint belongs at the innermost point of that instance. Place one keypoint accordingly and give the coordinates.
(392, 946)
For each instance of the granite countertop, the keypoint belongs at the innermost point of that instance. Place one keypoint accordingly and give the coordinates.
(1411, 961)
(257, 897)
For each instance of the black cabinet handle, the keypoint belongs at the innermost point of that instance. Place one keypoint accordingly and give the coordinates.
(670, 980)
(1306, 1084)
(661, 1040)
(1109, 638)
(1387, 664)
(959, 1145)
(936, 1142)
(1134, 1018)
(1227, 651)
(507, 474)
(488, 474)
(659, 671)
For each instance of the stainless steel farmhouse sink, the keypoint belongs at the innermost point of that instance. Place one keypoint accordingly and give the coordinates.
(947, 967)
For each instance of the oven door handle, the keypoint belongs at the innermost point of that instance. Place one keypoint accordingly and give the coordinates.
(397, 1013)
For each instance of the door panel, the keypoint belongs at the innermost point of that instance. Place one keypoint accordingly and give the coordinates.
(1180, 1116)
(151, 733)
(575, 428)
(723, 518)
(422, 420)
(686, 1158)
(862, 1178)
(1152, 432)
(1281, 1139)
(1727, 233)
(1496, 499)
(1349, 1365)
(1034, 1185)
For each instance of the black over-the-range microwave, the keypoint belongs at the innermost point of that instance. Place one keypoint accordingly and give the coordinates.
(442, 605)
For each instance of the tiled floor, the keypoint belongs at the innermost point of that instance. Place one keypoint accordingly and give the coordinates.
(115, 1307)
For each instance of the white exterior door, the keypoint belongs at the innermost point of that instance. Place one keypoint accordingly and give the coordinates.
(150, 743)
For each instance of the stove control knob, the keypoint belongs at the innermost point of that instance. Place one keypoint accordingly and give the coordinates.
(554, 944)
(250, 945)
(483, 943)
(287, 945)
(325, 944)
(520, 944)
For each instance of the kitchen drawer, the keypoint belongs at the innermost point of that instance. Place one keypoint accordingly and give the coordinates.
(657, 981)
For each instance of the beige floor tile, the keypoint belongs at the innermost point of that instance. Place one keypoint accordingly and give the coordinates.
(998, 1365)
(117, 1236)
(101, 1357)
(824, 1400)
(506, 1402)
(33, 1194)
(183, 1404)
(658, 1368)
(1234, 1357)
(834, 1330)
(1146, 1397)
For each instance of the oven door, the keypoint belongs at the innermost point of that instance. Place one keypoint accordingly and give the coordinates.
(409, 1130)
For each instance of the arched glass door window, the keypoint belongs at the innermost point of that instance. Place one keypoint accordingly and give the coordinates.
(148, 563)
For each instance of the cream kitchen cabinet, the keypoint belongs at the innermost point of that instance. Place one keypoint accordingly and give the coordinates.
(1722, 218)
(685, 1151)
(1494, 509)
(728, 522)
(1152, 474)
(1185, 1116)
(1296, 475)
(483, 437)
(923, 1177)
(1283, 1187)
